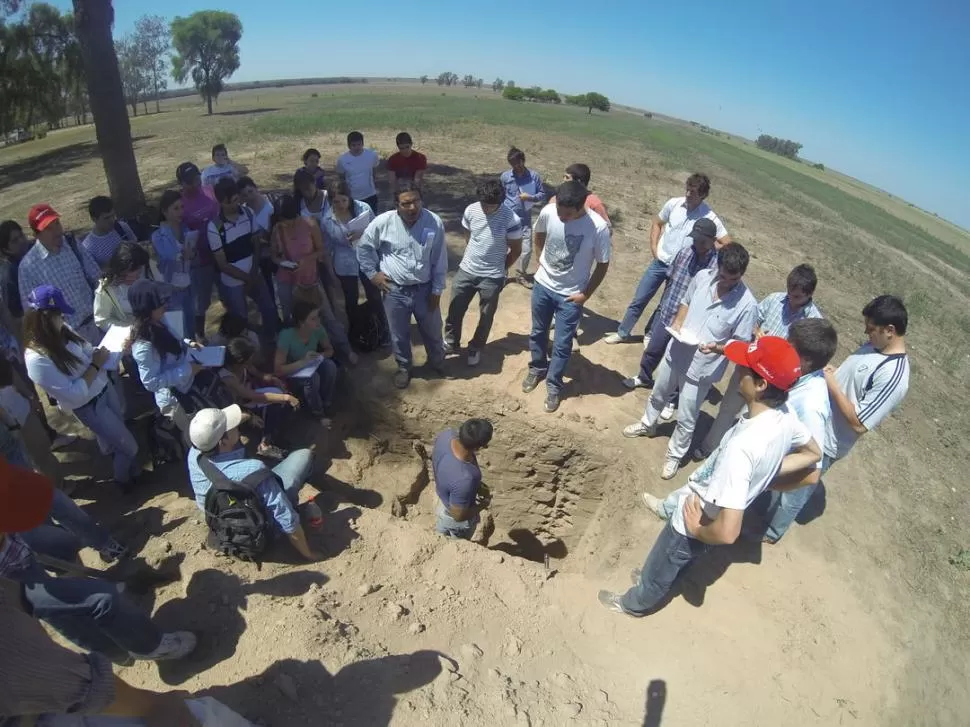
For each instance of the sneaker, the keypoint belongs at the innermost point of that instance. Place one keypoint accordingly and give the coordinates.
(654, 505)
(635, 382)
(646, 342)
(402, 377)
(615, 338)
(552, 403)
(524, 281)
(639, 430)
(667, 413)
(450, 347)
(670, 469)
(113, 551)
(175, 645)
(530, 382)
(474, 358)
(612, 601)
(271, 451)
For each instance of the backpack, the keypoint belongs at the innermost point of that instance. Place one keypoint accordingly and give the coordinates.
(235, 513)
(207, 392)
(367, 329)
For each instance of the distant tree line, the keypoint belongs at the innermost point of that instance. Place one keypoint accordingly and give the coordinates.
(783, 147)
(533, 93)
(536, 94)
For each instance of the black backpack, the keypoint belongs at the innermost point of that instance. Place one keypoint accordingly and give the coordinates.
(367, 329)
(235, 513)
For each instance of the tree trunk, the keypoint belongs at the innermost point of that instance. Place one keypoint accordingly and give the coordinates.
(208, 100)
(134, 109)
(590, 112)
(93, 19)
(144, 106)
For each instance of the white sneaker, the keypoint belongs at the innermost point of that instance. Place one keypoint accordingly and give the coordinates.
(474, 358)
(175, 645)
(646, 342)
(668, 412)
(635, 382)
(670, 469)
(614, 338)
(639, 430)
(654, 504)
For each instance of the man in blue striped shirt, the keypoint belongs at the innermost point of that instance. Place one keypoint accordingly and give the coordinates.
(493, 241)
(776, 313)
(403, 253)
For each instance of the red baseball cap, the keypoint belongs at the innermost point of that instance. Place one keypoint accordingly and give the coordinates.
(25, 498)
(773, 358)
(41, 215)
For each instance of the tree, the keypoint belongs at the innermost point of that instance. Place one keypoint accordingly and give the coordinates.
(207, 47)
(447, 79)
(479, 82)
(136, 81)
(154, 41)
(498, 84)
(510, 84)
(597, 101)
(92, 22)
(782, 147)
(468, 80)
(550, 95)
(424, 80)
(513, 93)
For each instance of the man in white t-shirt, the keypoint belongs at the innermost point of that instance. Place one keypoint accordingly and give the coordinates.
(356, 166)
(569, 240)
(669, 234)
(222, 167)
(493, 241)
(767, 441)
(234, 241)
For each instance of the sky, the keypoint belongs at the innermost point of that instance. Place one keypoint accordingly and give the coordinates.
(878, 90)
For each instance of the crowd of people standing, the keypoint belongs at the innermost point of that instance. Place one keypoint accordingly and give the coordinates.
(331, 277)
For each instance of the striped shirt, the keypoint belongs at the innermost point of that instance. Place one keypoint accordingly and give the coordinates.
(72, 270)
(488, 240)
(102, 247)
(683, 269)
(876, 383)
(15, 555)
(775, 318)
(238, 245)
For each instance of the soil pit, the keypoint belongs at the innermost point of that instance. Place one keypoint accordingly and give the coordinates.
(540, 486)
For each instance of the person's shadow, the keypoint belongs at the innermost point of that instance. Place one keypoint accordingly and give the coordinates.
(299, 693)
(526, 545)
(212, 609)
(656, 699)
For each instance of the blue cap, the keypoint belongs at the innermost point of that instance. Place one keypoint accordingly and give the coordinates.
(48, 297)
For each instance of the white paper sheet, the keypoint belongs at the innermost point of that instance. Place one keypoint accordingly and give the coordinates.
(684, 336)
(308, 370)
(209, 356)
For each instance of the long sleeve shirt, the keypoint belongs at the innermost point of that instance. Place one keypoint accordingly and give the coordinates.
(40, 677)
(162, 374)
(342, 251)
(70, 390)
(531, 184)
(407, 255)
(71, 269)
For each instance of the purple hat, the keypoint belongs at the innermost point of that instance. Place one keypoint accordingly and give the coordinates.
(47, 297)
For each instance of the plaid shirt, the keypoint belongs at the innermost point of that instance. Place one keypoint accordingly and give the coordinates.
(15, 555)
(684, 267)
(774, 318)
(76, 275)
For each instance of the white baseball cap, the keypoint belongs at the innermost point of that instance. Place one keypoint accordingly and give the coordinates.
(210, 425)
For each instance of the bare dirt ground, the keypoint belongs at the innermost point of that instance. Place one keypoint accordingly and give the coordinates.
(854, 619)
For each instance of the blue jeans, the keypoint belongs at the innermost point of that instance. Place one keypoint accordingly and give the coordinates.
(400, 303)
(87, 720)
(447, 525)
(185, 301)
(653, 354)
(203, 280)
(667, 559)
(103, 416)
(316, 392)
(293, 472)
(653, 277)
(235, 299)
(74, 523)
(545, 306)
(89, 612)
(783, 507)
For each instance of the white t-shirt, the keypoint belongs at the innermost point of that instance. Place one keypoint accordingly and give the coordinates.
(570, 250)
(359, 172)
(679, 224)
(876, 383)
(263, 220)
(488, 241)
(214, 172)
(743, 465)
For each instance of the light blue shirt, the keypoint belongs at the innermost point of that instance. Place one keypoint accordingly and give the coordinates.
(809, 400)
(160, 375)
(236, 466)
(775, 318)
(169, 250)
(407, 255)
(342, 250)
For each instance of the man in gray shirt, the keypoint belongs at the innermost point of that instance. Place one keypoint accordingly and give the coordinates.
(403, 253)
(717, 307)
